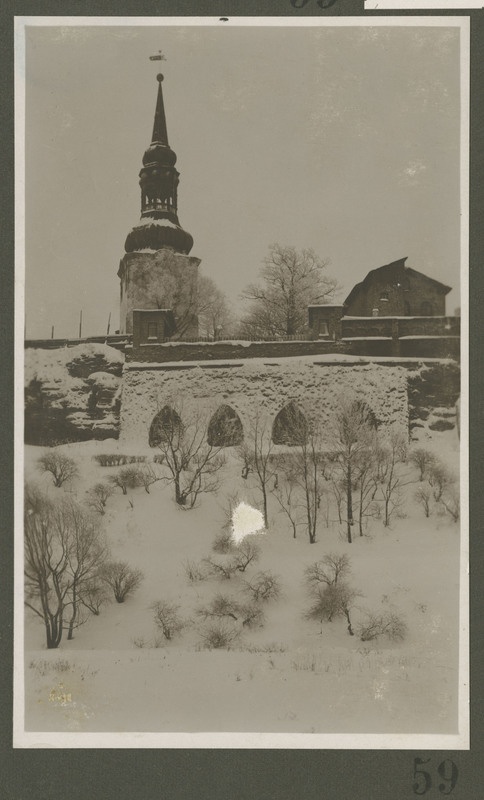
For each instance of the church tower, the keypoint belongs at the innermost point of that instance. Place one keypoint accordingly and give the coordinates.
(157, 272)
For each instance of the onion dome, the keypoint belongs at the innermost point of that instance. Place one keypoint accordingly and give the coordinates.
(159, 226)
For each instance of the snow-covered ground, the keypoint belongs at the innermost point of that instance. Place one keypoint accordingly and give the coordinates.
(291, 674)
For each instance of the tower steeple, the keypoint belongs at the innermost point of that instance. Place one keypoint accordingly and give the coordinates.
(159, 226)
(160, 134)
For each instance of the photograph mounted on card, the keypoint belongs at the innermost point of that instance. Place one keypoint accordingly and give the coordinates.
(241, 445)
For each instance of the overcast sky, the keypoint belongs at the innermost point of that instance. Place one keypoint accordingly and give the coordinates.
(343, 139)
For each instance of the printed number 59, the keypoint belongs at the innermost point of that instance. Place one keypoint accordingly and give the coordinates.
(423, 781)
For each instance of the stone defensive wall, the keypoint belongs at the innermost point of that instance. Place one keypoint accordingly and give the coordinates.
(260, 389)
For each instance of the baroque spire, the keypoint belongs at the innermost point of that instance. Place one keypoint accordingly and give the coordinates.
(159, 226)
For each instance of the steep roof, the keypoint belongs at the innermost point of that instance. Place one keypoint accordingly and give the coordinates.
(394, 266)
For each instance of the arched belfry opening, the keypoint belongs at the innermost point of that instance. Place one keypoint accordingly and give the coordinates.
(166, 425)
(290, 427)
(225, 428)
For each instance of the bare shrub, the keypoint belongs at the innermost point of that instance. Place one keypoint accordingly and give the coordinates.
(328, 571)
(440, 479)
(333, 600)
(98, 496)
(423, 496)
(220, 606)
(224, 570)
(223, 542)
(61, 467)
(263, 587)
(167, 618)
(94, 596)
(251, 615)
(450, 500)
(123, 579)
(147, 476)
(423, 459)
(219, 636)
(127, 478)
(390, 625)
(247, 552)
(195, 571)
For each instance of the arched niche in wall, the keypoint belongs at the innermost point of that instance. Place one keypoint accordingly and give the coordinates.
(165, 426)
(225, 428)
(290, 426)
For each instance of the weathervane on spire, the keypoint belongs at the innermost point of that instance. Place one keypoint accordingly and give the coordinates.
(158, 57)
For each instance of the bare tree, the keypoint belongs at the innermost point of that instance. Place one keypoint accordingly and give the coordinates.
(215, 319)
(64, 550)
(290, 282)
(256, 456)
(391, 477)
(86, 554)
(147, 476)
(286, 493)
(352, 442)
(61, 467)
(423, 495)
(328, 571)
(423, 459)
(123, 579)
(191, 462)
(440, 478)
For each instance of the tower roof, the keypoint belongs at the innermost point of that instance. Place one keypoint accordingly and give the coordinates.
(160, 133)
(159, 226)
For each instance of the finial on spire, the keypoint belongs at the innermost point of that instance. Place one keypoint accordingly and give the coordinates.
(159, 77)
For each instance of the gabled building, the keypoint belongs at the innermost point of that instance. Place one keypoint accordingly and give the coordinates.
(396, 290)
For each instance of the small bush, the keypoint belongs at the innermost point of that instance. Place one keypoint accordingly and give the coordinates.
(61, 467)
(251, 615)
(127, 478)
(219, 636)
(167, 618)
(195, 571)
(98, 496)
(123, 579)
(390, 625)
(263, 587)
(440, 478)
(450, 500)
(423, 459)
(223, 543)
(247, 552)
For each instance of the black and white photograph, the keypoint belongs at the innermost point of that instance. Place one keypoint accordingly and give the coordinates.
(242, 411)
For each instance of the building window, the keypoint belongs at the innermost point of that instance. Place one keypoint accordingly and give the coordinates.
(153, 331)
(323, 330)
(406, 308)
(384, 297)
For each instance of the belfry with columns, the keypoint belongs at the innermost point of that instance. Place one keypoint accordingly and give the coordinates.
(157, 274)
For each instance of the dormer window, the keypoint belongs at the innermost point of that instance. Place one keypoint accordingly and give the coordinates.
(384, 297)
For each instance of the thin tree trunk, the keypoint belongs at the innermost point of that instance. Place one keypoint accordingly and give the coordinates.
(349, 503)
